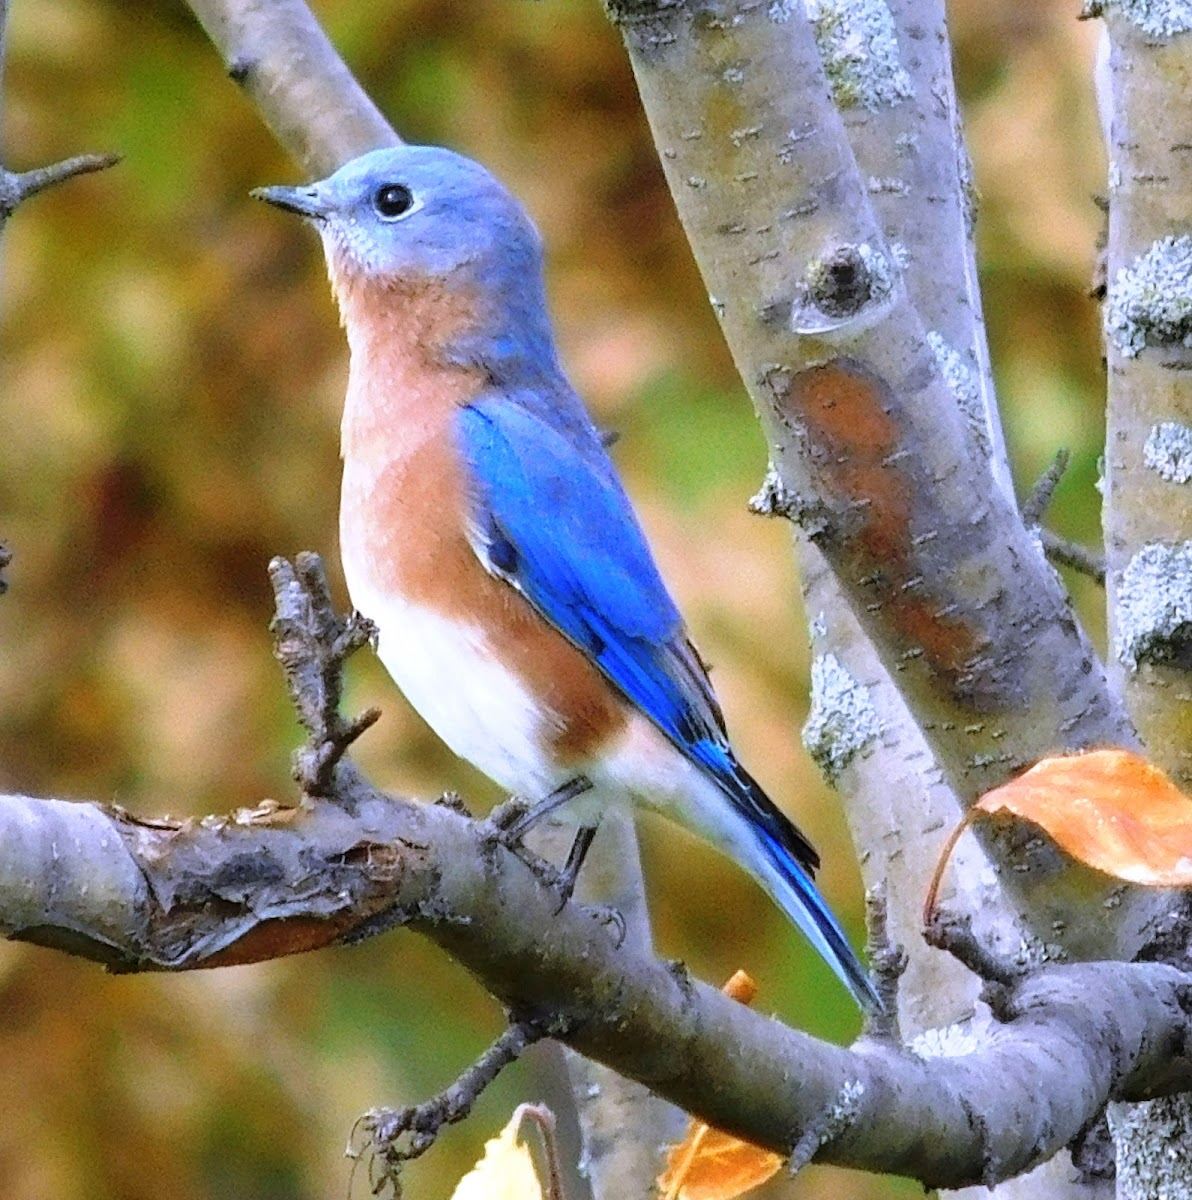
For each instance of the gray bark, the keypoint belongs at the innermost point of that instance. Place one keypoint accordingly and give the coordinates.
(981, 1107)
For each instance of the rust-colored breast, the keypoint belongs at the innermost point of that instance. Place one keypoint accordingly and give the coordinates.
(405, 504)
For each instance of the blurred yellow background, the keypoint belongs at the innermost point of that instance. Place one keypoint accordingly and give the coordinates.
(172, 375)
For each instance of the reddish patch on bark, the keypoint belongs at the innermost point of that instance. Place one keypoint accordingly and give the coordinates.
(854, 441)
(277, 939)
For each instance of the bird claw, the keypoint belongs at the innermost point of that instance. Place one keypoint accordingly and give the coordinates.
(501, 829)
(606, 914)
(505, 826)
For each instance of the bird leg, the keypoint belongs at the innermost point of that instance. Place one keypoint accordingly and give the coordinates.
(565, 886)
(510, 825)
(534, 816)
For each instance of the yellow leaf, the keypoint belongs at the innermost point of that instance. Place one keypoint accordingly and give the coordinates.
(1109, 809)
(708, 1164)
(506, 1172)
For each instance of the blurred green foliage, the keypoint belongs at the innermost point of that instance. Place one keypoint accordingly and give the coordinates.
(172, 377)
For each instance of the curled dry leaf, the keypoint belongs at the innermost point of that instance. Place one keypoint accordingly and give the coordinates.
(708, 1164)
(1109, 809)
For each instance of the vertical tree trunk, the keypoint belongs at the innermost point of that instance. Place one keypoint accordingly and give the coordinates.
(1148, 456)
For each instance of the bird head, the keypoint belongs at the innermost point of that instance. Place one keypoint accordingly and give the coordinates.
(413, 213)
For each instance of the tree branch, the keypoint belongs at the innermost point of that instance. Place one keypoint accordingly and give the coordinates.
(145, 895)
(277, 54)
(871, 455)
(17, 187)
(397, 1135)
(866, 437)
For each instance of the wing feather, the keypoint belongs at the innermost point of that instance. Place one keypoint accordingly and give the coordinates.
(557, 525)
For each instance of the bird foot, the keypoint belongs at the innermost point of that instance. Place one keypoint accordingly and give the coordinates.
(503, 828)
(507, 824)
(606, 914)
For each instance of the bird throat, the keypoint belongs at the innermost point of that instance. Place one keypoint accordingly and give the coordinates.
(405, 376)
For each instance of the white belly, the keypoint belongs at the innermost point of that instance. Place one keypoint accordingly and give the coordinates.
(470, 700)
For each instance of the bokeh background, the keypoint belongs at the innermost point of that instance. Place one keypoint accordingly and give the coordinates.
(172, 374)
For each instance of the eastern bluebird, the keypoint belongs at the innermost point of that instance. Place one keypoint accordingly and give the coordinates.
(484, 530)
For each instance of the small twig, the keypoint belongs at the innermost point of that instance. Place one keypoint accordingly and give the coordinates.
(17, 187)
(1037, 502)
(396, 1135)
(1059, 551)
(5, 560)
(543, 1120)
(312, 642)
(955, 935)
(889, 963)
(1064, 553)
(828, 1124)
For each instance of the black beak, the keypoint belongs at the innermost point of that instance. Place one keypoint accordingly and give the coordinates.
(305, 201)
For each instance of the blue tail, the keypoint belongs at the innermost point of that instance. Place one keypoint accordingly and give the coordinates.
(794, 892)
(787, 864)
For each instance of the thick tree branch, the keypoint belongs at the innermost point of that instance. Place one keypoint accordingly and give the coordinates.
(282, 880)
(276, 52)
(1147, 513)
(871, 455)
(1148, 448)
(141, 895)
(891, 75)
(866, 437)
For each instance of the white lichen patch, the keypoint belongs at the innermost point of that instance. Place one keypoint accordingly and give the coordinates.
(844, 1110)
(899, 255)
(1035, 533)
(1150, 301)
(1150, 1143)
(1168, 451)
(1159, 18)
(963, 383)
(842, 721)
(888, 185)
(859, 48)
(883, 272)
(948, 1041)
(1154, 606)
(1033, 952)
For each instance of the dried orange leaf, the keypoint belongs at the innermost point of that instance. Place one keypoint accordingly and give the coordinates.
(1109, 809)
(506, 1172)
(708, 1164)
(742, 988)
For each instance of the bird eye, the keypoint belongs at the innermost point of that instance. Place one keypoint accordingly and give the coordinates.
(392, 200)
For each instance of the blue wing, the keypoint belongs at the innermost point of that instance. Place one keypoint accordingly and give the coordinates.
(554, 521)
(550, 517)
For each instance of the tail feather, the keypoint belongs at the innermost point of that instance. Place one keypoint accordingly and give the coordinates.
(747, 796)
(786, 867)
(792, 889)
